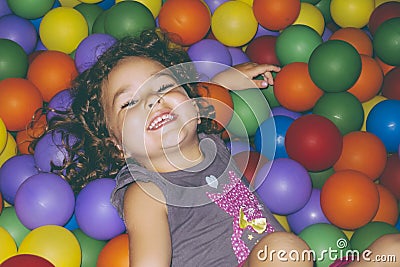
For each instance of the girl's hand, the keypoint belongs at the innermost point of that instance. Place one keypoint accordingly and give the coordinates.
(243, 76)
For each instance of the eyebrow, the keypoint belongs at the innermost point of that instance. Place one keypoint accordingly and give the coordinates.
(123, 89)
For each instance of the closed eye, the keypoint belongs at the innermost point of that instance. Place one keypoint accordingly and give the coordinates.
(165, 87)
(130, 103)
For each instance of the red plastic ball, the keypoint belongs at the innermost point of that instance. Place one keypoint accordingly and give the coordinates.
(314, 141)
(382, 13)
(262, 50)
(26, 260)
(391, 84)
(276, 15)
(51, 72)
(349, 199)
(19, 100)
(188, 21)
(249, 163)
(390, 177)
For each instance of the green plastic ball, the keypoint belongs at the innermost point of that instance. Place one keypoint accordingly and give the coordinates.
(386, 41)
(90, 12)
(327, 241)
(318, 178)
(128, 18)
(367, 234)
(250, 109)
(13, 60)
(90, 248)
(343, 109)
(296, 44)
(334, 66)
(30, 9)
(98, 24)
(325, 7)
(10, 222)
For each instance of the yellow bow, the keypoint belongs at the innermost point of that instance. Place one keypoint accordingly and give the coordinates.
(259, 224)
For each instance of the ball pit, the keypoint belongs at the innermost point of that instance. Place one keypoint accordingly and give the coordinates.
(281, 32)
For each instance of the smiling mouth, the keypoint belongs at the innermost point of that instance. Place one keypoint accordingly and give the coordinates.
(161, 120)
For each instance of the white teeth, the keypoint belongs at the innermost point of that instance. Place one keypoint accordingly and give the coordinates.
(159, 121)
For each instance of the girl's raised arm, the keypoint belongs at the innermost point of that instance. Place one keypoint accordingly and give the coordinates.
(146, 221)
(242, 76)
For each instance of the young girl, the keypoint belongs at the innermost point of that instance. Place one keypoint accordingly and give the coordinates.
(138, 116)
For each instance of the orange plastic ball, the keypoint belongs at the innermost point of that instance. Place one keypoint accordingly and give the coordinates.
(294, 89)
(115, 253)
(51, 72)
(220, 99)
(363, 152)
(35, 129)
(276, 15)
(388, 209)
(188, 21)
(249, 163)
(19, 100)
(384, 66)
(356, 37)
(370, 80)
(349, 199)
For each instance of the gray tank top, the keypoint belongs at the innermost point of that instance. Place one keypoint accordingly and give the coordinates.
(214, 219)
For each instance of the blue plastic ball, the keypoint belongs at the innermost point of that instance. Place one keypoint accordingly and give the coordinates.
(384, 121)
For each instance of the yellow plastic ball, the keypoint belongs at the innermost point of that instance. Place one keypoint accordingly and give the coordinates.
(54, 243)
(233, 23)
(312, 17)
(380, 2)
(348, 233)
(249, 2)
(282, 219)
(351, 13)
(367, 106)
(90, 1)
(8, 247)
(10, 150)
(3, 135)
(153, 5)
(69, 3)
(62, 29)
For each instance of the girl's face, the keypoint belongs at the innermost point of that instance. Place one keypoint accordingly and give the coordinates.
(150, 115)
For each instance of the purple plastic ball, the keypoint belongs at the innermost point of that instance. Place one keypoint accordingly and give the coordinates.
(263, 31)
(213, 4)
(326, 34)
(284, 185)
(50, 149)
(236, 147)
(210, 57)
(4, 8)
(13, 173)
(59, 103)
(19, 30)
(238, 56)
(277, 111)
(95, 214)
(44, 199)
(91, 48)
(310, 214)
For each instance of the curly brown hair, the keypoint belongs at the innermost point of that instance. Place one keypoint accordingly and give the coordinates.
(96, 155)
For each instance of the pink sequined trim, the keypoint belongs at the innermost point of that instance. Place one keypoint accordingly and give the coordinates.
(236, 196)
